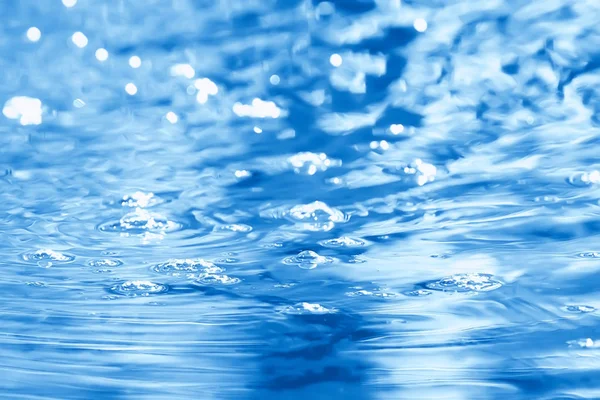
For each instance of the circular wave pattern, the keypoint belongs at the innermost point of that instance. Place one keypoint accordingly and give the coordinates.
(139, 289)
(48, 255)
(343, 241)
(465, 283)
(140, 222)
(104, 263)
(305, 308)
(189, 268)
(307, 259)
(314, 217)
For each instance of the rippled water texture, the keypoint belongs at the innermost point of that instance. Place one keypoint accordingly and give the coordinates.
(292, 199)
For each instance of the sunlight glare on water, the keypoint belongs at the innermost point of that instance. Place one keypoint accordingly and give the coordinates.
(239, 199)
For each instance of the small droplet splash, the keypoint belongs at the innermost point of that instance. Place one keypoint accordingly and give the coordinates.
(580, 309)
(307, 259)
(139, 288)
(343, 241)
(141, 221)
(200, 271)
(48, 256)
(191, 268)
(306, 308)
(465, 283)
(316, 216)
(103, 263)
(212, 279)
(140, 199)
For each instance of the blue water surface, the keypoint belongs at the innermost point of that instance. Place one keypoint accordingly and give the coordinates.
(298, 199)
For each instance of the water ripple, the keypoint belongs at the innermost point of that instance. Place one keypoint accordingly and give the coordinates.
(307, 259)
(579, 309)
(141, 199)
(218, 279)
(139, 288)
(48, 255)
(465, 283)
(315, 216)
(141, 221)
(187, 267)
(106, 262)
(589, 254)
(304, 308)
(343, 241)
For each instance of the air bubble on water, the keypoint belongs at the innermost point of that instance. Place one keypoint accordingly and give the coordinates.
(307, 259)
(188, 267)
(335, 60)
(34, 34)
(79, 39)
(47, 255)
(172, 117)
(310, 163)
(579, 309)
(27, 110)
(343, 241)
(465, 283)
(106, 262)
(304, 308)
(420, 25)
(242, 173)
(135, 62)
(78, 103)
(139, 288)
(183, 70)
(274, 79)
(101, 54)
(131, 89)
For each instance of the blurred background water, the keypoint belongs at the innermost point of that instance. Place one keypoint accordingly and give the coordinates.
(252, 199)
